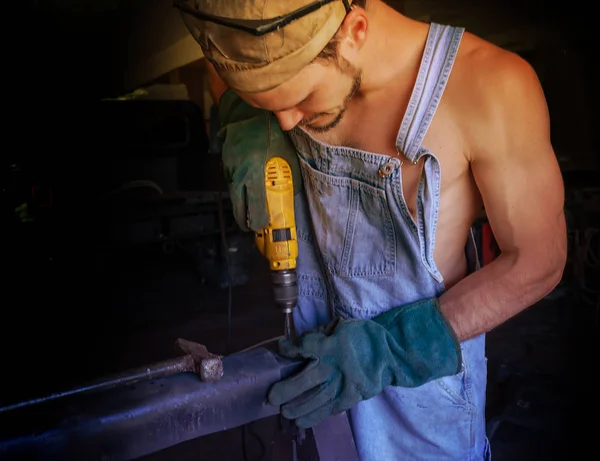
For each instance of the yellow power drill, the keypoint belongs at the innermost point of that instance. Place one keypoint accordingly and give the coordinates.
(277, 242)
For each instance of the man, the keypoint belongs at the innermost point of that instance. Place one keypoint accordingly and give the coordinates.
(402, 131)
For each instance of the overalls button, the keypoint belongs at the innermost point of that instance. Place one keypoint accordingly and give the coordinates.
(386, 170)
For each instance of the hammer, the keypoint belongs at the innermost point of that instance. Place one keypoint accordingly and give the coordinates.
(197, 359)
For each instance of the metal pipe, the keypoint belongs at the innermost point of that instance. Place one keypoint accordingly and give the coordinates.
(156, 370)
(197, 359)
(127, 422)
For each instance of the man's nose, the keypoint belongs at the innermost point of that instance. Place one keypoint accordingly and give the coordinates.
(288, 119)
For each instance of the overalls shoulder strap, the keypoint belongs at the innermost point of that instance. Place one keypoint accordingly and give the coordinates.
(438, 58)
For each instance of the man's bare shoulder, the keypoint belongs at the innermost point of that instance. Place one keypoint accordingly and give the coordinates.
(489, 85)
(488, 70)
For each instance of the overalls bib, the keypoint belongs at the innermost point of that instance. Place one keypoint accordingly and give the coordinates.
(362, 253)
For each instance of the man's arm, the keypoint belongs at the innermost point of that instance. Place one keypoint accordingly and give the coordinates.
(519, 179)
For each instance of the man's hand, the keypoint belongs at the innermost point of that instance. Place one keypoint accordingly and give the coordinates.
(353, 360)
(251, 137)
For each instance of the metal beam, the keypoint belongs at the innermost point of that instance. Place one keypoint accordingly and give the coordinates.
(129, 422)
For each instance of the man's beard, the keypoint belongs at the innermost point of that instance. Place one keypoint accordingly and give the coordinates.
(338, 117)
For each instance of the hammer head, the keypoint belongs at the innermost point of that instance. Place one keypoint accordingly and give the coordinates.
(210, 369)
(208, 366)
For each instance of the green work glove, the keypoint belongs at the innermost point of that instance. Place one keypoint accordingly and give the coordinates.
(250, 138)
(353, 360)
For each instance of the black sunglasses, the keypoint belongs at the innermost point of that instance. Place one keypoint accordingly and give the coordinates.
(257, 27)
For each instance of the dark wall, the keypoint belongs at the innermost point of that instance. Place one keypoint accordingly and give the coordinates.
(558, 39)
(71, 53)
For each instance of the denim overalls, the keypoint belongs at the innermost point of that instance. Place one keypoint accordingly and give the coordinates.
(361, 253)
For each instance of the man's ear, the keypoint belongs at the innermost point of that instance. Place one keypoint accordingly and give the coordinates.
(353, 32)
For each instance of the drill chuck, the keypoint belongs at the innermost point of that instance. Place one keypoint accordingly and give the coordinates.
(285, 289)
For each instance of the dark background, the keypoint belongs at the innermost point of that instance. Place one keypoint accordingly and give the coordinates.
(99, 277)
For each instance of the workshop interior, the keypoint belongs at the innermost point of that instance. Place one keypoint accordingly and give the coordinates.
(138, 320)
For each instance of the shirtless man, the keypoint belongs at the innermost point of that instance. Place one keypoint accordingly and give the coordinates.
(402, 132)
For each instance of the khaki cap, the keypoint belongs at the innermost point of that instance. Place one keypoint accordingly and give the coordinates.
(251, 63)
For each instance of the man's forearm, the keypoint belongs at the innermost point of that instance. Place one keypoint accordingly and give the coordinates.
(499, 291)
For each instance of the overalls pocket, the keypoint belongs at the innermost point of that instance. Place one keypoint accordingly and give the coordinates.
(352, 223)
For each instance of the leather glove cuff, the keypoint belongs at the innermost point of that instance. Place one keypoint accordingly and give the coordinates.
(424, 330)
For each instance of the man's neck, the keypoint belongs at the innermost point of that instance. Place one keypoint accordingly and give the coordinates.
(393, 50)
(390, 62)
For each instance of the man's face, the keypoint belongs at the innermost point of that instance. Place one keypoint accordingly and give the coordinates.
(315, 99)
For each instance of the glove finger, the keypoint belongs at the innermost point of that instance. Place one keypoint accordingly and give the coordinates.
(256, 202)
(238, 203)
(290, 348)
(310, 345)
(311, 377)
(310, 401)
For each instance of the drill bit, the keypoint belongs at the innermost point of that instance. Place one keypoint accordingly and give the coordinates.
(289, 329)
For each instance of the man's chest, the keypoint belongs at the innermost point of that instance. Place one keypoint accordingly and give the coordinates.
(378, 132)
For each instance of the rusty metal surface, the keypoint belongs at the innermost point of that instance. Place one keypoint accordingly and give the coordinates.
(211, 369)
(128, 422)
(207, 365)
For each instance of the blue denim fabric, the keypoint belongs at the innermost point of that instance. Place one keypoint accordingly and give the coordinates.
(362, 253)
